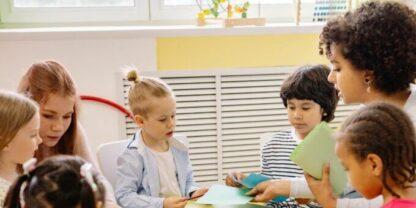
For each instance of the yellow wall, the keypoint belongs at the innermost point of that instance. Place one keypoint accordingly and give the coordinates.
(237, 51)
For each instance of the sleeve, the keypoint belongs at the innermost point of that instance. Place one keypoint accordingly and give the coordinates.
(360, 203)
(130, 175)
(299, 189)
(191, 185)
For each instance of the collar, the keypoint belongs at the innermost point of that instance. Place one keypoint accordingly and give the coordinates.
(295, 136)
(177, 141)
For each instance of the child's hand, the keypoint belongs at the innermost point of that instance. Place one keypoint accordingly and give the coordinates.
(269, 190)
(237, 175)
(198, 193)
(174, 202)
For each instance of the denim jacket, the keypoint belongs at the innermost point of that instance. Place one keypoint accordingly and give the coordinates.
(138, 184)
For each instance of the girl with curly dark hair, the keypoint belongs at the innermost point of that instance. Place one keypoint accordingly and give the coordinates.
(373, 54)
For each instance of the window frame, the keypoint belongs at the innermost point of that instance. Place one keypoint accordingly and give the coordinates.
(144, 11)
(287, 12)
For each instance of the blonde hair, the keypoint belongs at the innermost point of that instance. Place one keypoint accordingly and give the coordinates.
(15, 111)
(144, 88)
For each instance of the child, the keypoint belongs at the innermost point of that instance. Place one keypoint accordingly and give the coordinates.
(377, 147)
(309, 99)
(19, 138)
(57, 182)
(154, 170)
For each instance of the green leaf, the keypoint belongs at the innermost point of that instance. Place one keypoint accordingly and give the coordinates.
(246, 5)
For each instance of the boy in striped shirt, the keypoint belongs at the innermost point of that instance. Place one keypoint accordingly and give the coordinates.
(309, 99)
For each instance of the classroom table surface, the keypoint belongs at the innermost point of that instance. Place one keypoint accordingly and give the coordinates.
(192, 204)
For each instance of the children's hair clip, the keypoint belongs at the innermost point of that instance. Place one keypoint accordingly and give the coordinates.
(86, 172)
(27, 94)
(29, 165)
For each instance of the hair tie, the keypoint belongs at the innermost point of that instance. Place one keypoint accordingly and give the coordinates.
(86, 172)
(29, 165)
(27, 94)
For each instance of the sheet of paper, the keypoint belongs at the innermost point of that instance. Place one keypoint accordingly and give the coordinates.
(220, 194)
(316, 150)
(253, 179)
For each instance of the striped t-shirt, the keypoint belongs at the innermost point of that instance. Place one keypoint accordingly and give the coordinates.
(275, 158)
(276, 164)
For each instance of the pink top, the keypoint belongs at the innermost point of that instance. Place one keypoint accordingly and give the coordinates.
(400, 203)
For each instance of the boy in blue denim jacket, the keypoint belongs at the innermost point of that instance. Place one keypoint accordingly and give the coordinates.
(154, 171)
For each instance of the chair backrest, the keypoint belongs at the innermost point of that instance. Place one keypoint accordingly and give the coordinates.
(107, 155)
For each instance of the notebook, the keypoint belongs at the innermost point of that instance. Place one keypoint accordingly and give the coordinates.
(317, 149)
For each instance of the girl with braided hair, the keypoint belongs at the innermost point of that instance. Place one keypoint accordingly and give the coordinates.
(377, 147)
(59, 181)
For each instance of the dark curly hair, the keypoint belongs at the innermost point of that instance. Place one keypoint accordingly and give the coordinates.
(311, 83)
(380, 37)
(386, 131)
(56, 183)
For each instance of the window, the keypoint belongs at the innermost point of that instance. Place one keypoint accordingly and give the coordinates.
(79, 3)
(41, 11)
(73, 11)
(178, 2)
(273, 10)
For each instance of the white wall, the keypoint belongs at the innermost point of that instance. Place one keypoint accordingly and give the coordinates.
(94, 63)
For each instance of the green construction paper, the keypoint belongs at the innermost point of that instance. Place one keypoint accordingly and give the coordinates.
(220, 194)
(316, 150)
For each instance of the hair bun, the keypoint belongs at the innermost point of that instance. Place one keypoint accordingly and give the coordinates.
(132, 76)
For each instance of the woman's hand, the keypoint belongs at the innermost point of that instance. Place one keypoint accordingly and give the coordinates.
(269, 190)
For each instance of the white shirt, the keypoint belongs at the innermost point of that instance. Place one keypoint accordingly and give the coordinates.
(169, 185)
(410, 105)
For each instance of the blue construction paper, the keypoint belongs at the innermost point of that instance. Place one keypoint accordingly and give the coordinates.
(253, 179)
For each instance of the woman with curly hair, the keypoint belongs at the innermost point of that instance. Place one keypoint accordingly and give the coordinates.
(373, 53)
